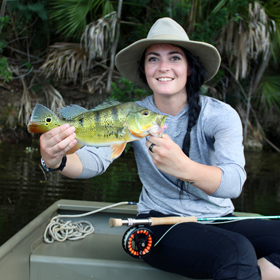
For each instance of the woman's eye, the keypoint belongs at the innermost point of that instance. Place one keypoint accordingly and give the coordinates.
(152, 59)
(175, 58)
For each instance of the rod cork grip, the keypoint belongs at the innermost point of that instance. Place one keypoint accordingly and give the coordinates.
(115, 222)
(172, 220)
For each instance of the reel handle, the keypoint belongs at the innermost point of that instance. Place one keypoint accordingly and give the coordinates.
(151, 221)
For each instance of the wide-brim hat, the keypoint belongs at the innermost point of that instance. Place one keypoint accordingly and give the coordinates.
(166, 30)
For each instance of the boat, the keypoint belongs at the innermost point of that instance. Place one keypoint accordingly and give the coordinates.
(100, 255)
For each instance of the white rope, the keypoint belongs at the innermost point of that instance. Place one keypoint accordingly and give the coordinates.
(59, 230)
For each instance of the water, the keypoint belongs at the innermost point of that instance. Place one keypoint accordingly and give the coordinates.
(26, 190)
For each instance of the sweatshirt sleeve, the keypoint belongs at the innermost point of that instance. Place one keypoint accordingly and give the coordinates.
(225, 128)
(95, 160)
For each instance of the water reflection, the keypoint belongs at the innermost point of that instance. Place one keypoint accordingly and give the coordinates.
(262, 189)
(26, 190)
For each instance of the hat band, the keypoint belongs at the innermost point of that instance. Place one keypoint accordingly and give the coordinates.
(168, 37)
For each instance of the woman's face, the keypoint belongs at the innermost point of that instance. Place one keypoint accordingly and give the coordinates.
(166, 69)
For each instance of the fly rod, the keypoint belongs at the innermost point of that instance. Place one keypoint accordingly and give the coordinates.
(174, 220)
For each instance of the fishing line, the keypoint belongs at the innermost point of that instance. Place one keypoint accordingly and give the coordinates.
(213, 223)
(59, 230)
(218, 221)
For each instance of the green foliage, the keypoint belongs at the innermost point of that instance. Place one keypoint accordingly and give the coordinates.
(216, 15)
(272, 9)
(4, 22)
(70, 17)
(29, 25)
(180, 11)
(28, 11)
(5, 73)
(234, 8)
(125, 91)
(4, 69)
(271, 92)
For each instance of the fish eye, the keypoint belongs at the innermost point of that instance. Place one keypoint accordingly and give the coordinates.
(145, 113)
(48, 120)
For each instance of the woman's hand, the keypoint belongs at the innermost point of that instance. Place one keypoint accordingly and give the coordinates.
(167, 155)
(169, 158)
(55, 143)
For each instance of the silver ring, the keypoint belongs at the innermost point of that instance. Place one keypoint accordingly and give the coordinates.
(151, 147)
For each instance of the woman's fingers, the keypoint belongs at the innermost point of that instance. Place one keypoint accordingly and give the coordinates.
(166, 154)
(154, 143)
(55, 143)
(58, 134)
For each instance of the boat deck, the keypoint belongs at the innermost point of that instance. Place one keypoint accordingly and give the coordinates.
(98, 256)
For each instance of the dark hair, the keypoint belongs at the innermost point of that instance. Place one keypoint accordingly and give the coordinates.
(194, 83)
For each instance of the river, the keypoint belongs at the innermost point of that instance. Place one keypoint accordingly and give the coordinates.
(26, 190)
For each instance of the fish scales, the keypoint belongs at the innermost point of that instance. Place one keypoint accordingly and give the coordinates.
(101, 127)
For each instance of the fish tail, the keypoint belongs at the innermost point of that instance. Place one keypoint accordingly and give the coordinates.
(42, 120)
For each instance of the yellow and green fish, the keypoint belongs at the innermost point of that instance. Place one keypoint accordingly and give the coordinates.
(114, 125)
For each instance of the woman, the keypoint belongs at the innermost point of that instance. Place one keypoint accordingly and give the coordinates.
(193, 170)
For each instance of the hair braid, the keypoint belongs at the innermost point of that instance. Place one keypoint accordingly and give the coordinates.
(194, 83)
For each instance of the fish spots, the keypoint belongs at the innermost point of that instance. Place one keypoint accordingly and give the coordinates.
(115, 112)
(97, 117)
(81, 121)
(48, 120)
(116, 133)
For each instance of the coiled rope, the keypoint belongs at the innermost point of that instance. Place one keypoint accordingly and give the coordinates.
(59, 230)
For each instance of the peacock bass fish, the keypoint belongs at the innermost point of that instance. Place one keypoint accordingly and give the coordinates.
(113, 125)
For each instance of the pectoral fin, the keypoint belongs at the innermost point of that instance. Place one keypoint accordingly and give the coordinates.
(117, 149)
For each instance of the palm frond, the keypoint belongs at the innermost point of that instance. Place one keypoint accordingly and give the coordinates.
(271, 92)
(69, 16)
(66, 61)
(272, 8)
(246, 39)
(99, 36)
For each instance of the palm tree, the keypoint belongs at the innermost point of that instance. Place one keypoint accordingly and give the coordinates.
(245, 43)
(97, 48)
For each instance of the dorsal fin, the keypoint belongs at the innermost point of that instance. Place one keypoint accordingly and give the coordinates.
(74, 110)
(106, 104)
(71, 111)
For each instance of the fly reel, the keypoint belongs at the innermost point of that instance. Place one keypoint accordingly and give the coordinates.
(138, 242)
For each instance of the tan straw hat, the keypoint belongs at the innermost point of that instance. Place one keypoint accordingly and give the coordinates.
(166, 30)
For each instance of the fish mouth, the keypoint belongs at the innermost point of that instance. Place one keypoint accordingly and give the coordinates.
(158, 126)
